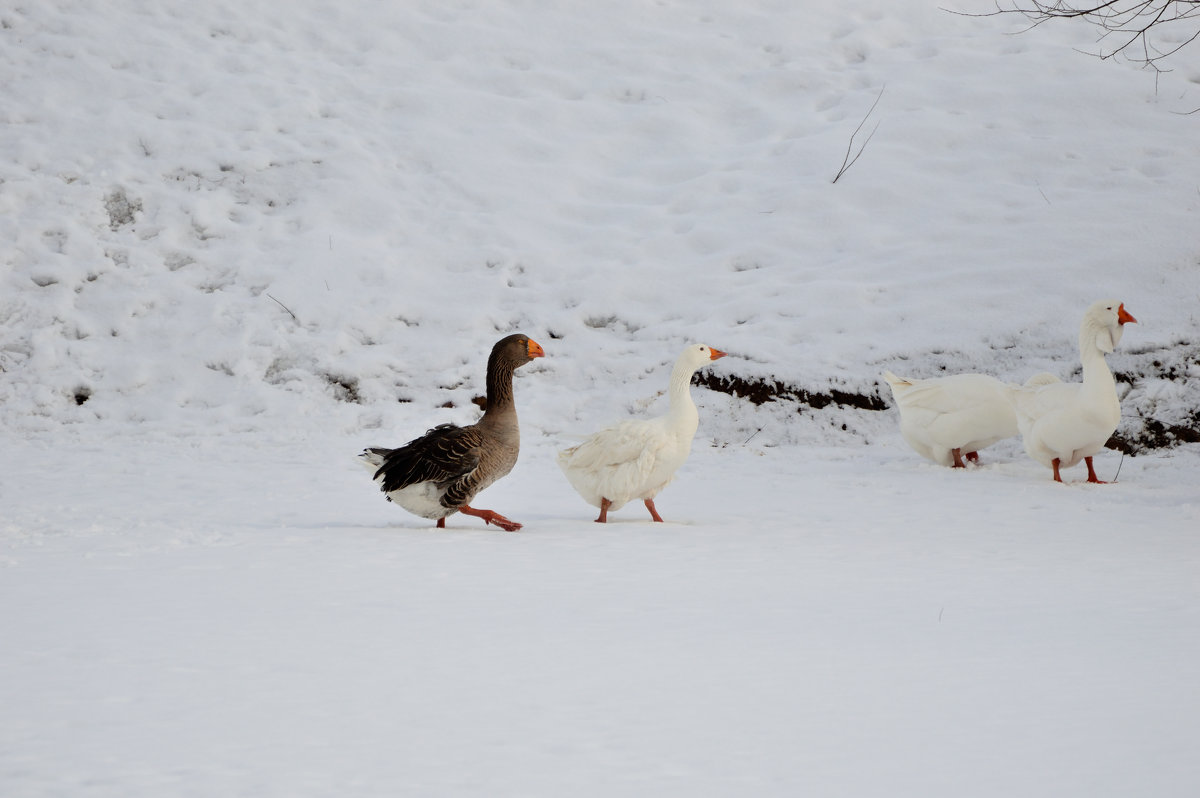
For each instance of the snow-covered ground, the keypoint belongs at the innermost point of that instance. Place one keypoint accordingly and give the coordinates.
(239, 242)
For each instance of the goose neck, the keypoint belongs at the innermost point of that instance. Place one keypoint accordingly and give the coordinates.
(1097, 376)
(680, 391)
(499, 388)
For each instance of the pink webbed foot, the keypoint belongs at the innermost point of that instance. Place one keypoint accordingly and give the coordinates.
(491, 517)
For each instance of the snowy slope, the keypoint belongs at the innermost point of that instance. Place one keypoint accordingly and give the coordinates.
(239, 241)
(409, 185)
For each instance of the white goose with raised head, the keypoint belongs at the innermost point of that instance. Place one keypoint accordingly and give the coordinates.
(637, 459)
(1064, 423)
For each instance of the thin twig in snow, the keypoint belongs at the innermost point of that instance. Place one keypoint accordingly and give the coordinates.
(847, 161)
(285, 307)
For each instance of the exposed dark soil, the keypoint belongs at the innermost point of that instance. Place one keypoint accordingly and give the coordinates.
(760, 391)
(1156, 435)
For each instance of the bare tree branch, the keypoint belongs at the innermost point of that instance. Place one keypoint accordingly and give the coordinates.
(1144, 31)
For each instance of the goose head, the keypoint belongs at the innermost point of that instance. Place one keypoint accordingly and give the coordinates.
(516, 350)
(1103, 325)
(698, 355)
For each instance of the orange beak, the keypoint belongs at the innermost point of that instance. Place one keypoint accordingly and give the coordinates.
(1123, 315)
(713, 354)
(535, 349)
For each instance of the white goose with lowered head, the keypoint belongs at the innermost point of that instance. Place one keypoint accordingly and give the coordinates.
(637, 459)
(1064, 423)
(949, 419)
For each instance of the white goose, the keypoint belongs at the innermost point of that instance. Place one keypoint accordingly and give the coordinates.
(637, 459)
(947, 419)
(1067, 422)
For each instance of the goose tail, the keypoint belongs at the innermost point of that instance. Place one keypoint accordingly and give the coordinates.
(372, 458)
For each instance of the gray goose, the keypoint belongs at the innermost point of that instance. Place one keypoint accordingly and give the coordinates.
(438, 474)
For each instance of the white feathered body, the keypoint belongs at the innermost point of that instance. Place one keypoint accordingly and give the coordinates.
(630, 460)
(1067, 421)
(423, 499)
(964, 411)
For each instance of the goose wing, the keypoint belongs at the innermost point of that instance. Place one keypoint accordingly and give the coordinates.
(946, 394)
(620, 444)
(444, 455)
(1040, 401)
(618, 462)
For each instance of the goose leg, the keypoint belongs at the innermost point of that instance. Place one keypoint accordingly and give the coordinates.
(973, 457)
(1054, 463)
(604, 505)
(653, 512)
(958, 461)
(491, 517)
(441, 523)
(1092, 472)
